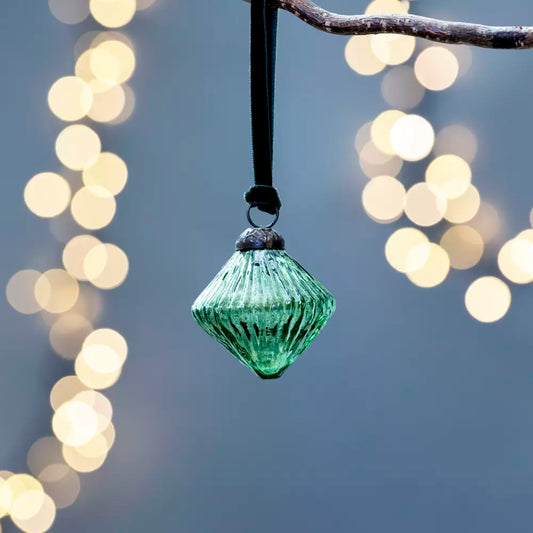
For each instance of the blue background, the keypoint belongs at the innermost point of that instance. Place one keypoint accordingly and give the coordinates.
(405, 415)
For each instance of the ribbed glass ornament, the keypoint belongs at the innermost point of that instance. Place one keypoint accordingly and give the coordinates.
(264, 308)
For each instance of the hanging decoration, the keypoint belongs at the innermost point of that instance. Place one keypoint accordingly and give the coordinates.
(263, 306)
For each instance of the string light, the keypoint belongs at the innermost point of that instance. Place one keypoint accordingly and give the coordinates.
(67, 297)
(444, 194)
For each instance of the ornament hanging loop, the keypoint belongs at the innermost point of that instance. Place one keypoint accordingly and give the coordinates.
(253, 224)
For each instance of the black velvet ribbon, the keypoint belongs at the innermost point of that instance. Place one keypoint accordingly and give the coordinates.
(262, 80)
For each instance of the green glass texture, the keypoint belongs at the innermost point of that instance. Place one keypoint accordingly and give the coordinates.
(265, 309)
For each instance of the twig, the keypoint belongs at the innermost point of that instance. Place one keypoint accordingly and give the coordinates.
(504, 37)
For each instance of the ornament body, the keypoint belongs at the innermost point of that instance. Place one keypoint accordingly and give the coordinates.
(263, 306)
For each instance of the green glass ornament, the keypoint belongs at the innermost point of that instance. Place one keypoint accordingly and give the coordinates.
(263, 306)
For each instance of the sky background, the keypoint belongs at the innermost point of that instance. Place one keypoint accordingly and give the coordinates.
(404, 415)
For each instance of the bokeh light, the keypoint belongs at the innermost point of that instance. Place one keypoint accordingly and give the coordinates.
(77, 146)
(360, 56)
(458, 140)
(488, 299)
(383, 199)
(374, 162)
(75, 423)
(108, 105)
(380, 131)
(70, 98)
(393, 49)
(75, 252)
(66, 389)
(106, 266)
(463, 208)
(436, 68)
(112, 13)
(47, 194)
(69, 11)
(515, 260)
(108, 171)
(387, 6)
(399, 246)
(449, 176)
(56, 291)
(68, 333)
(93, 207)
(412, 137)
(423, 206)
(401, 89)
(464, 246)
(61, 483)
(20, 292)
(435, 265)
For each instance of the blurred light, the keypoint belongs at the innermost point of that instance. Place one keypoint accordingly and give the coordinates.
(89, 303)
(423, 206)
(375, 163)
(70, 98)
(487, 222)
(360, 57)
(108, 105)
(488, 299)
(94, 379)
(436, 68)
(65, 390)
(400, 88)
(381, 129)
(458, 140)
(463, 208)
(449, 176)
(123, 55)
(43, 453)
(104, 66)
(515, 260)
(383, 199)
(399, 245)
(129, 106)
(69, 11)
(101, 359)
(363, 136)
(112, 13)
(111, 338)
(464, 247)
(144, 4)
(61, 483)
(20, 292)
(100, 404)
(387, 6)
(88, 457)
(106, 266)
(393, 49)
(56, 291)
(33, 512)
(77, 146)
(47, 194)
(93, 207)
(412, 137)
(108, 171)
(435, 268)
(75, 423)
(75, 252)
(68, 333)
(99, 37)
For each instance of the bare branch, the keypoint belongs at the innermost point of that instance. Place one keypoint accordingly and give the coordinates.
(504, 37)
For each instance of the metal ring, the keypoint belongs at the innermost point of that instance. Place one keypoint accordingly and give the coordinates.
(253, 224)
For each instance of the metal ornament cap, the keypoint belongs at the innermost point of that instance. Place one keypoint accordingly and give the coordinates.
(263, 306)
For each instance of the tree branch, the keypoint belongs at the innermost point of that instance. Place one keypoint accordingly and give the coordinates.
(504, 37)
